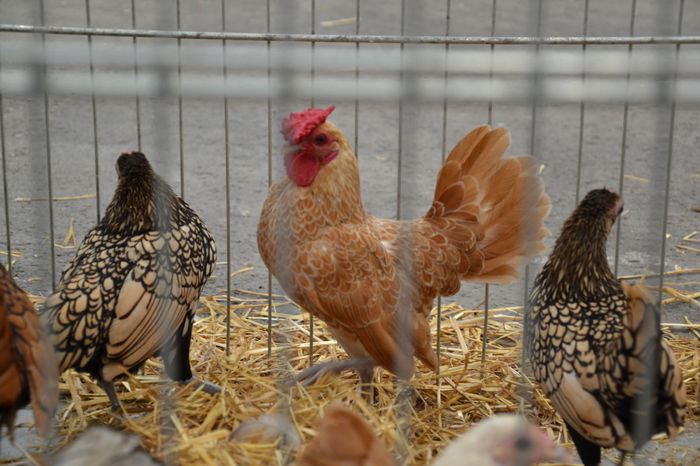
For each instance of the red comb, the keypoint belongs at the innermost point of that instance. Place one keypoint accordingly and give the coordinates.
(300, 124)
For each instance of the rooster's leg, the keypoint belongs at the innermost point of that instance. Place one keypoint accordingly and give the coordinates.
(366, 378)
(362, 365)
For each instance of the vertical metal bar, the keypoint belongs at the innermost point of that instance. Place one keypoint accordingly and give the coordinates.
(533, 135)
(485, 331)
(95, 146)
(443, 150)
(228, 190)
(179, 103)
(493, 33)
(47, 140)
(6, 200)
(313, 76)
(669, 156)
(136, 77)
(400, 145)
(269, 177)
(623, 148)
(582, 108)
(357, 75)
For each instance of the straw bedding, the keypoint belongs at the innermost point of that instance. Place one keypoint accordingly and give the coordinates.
(181, 424)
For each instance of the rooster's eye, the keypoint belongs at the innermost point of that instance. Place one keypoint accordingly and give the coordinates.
(320, 139)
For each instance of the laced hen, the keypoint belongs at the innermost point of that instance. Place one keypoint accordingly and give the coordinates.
(28, 369)
(372, 280)
(595, 342)
(131, 289)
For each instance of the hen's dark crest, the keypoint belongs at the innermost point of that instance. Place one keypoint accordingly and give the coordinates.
(600, 202)
(133, 163)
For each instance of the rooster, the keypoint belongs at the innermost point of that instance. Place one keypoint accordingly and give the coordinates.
(373, 280)
(131, 289)
(28, 369)
(595, 343)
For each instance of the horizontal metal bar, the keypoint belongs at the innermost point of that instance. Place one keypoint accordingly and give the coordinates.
(554, 90)
(353, 38)
(565, 62)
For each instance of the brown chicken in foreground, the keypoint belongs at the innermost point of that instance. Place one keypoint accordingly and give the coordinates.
(28, 369)
(373, 280)
(344, 439)
(595, 342)
(131, 289)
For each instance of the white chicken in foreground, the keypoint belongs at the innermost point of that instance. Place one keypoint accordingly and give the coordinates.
(503, 440)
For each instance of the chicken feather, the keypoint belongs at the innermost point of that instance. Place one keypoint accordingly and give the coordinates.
(129, 293)
(344, 439)
(370, 279)
(28, 369)
(595, 343)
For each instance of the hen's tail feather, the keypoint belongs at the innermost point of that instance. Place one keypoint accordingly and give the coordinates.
(502, 199)
(670, 401)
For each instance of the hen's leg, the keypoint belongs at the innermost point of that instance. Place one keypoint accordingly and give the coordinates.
(176, 353)
(108, 387)
(588, 451)
(207, 387)
(622, 458)
(176, 359)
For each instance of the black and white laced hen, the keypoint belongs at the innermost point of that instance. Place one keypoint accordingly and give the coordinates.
(131, 289)
(595, 342)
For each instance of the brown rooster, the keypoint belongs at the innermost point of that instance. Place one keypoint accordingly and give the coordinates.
(595, 341)
(131, 289)
(344, 439)
(372, 280)
(28, 369)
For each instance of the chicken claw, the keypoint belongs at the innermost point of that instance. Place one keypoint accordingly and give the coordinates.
(207, 387)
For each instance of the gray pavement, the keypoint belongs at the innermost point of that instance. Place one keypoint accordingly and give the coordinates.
(557, 130)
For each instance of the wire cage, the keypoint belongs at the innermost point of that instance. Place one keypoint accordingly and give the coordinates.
(602, 93)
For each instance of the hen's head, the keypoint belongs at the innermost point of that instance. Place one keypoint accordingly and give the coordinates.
(313, 143)
(133, 163)
(600, 204)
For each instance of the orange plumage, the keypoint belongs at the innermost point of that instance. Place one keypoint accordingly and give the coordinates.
(28, 368)
(344, 439)
(372, 280)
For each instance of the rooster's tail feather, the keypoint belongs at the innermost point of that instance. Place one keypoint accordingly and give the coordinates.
(502, 198)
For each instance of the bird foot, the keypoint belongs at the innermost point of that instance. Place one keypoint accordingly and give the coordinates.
(315, 372)
(207, 387)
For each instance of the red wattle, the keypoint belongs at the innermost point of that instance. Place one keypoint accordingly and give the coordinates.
(301, 167)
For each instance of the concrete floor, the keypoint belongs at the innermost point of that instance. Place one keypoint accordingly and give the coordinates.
(557, 130)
